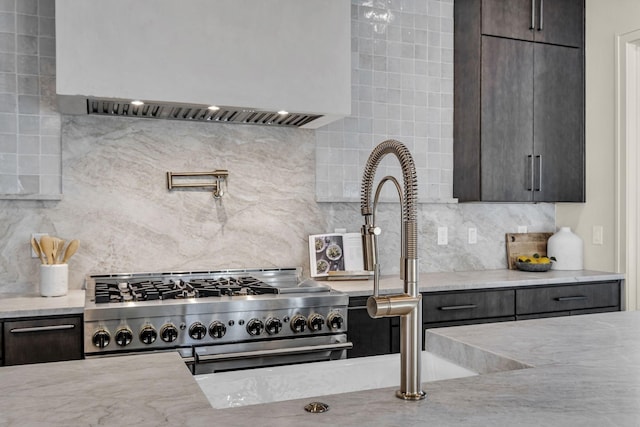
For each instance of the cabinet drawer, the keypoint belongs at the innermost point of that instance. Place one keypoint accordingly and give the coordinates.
(442, 307)
(42, 340)
(567, 297)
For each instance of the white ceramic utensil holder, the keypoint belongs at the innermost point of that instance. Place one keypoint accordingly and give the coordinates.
(568, 250)
(54, 280)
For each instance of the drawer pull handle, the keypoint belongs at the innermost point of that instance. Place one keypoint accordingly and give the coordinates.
(41, 329)
(458, 307)
(576, 298)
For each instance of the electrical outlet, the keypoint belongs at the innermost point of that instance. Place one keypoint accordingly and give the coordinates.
(522, 229)
(36, 236)
(442, 236)
(598, 235)
(473, 235)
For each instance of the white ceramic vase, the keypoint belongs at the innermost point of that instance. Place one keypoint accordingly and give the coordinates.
(568, 250)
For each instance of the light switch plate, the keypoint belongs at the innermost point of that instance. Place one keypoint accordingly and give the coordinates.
(598, 235)
(443, 238)
(522, 229)
(473, 235)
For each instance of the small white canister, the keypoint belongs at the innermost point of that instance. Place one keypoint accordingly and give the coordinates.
(54, 280)
(567, 248)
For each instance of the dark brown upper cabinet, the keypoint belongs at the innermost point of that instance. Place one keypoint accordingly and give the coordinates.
(544, 21)
(519, 100)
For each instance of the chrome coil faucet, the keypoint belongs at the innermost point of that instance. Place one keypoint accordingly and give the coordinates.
(407, 305)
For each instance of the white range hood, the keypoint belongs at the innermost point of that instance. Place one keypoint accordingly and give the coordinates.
(250, 58)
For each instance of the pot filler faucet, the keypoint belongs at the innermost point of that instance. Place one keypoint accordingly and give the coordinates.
(407, 305)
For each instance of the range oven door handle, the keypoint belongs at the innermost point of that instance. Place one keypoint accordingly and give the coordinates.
(272, 352)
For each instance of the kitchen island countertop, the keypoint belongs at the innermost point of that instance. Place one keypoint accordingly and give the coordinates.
(578, 370)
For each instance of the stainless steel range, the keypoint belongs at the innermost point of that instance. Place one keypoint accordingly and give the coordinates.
(217, 320)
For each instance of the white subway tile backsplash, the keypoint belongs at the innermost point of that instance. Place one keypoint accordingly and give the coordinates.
(29, 184)
(8, 164)
(402, 89)
(29, 144)
(27, 7)
(8, 182)
(8, 144)
(29, 121)
(28, 164)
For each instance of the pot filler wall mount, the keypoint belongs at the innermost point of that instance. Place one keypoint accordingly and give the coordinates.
(217, 320)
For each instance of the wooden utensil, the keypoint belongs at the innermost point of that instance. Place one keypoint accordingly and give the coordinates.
(36, 248)
(71, 249)
(59, 246)
(46, 244)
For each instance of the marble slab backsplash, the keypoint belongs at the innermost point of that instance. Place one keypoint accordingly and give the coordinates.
(117, 204)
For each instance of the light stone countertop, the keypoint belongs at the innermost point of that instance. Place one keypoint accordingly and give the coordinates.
(28, 305)
(144, 390)
(469, 280)
(15, 305)
(565, 371)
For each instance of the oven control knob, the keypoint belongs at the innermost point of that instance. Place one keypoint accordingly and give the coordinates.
(148, 334)
(168, 333)
(197, 331)
(298, 323)
(273, 325)
(315, 322)
(217, 329)
(255, 327)
(335, 320)
(123, 337)
(101, 338)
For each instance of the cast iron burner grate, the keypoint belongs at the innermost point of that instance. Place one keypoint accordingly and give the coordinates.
(149, 290)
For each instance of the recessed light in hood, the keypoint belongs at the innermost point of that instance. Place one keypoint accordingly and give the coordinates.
(200, 113)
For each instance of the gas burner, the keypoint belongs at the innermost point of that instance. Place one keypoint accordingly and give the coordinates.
(149, 290)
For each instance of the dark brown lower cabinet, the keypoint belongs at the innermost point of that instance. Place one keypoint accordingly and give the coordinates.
(46, 339)
(455, 308)
(548, 301)
(370, 337)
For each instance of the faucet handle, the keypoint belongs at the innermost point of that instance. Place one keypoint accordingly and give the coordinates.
(373, 230)
(391, 305)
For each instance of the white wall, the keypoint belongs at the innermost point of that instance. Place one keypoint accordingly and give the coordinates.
(604, 20)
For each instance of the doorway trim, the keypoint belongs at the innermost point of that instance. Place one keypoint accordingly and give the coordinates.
(627, 120)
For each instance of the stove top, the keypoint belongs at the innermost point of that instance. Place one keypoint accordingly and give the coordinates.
(152, 289)
(156, 311)
(125, 288)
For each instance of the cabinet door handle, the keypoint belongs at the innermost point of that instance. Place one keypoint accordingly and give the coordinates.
(574, 298)
(458, 307)
(539, 157)
(530, 158)
(540, 17)
(533, 15)
(41, 329)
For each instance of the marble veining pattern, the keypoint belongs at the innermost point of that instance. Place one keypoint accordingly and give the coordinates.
(117, 204)
(586, 371)
(104, 392)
